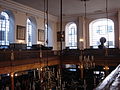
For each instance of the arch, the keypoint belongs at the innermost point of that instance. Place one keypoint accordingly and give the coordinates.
(101, 28)
(71, 35)
(7, 29)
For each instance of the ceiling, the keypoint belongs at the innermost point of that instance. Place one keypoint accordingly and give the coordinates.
(73, 7)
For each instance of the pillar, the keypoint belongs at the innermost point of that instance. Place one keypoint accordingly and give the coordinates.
(119, 29)
(81, 71)
(12, 81)
(34, 73)
(82, 33)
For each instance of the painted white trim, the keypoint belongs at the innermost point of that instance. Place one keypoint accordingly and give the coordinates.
(11, 5)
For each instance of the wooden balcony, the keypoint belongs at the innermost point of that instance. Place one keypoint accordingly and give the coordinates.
(19, 60)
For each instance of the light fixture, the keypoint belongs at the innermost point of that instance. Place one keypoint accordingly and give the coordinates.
(81, 43)
(106, 68)
(47, 76)
(12, 75)
(8, 74)
(59, 75)
(85, 61)
(16, 74)
(106, 49)
(81, 40)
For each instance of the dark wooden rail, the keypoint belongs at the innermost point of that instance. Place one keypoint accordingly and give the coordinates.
(15, 58)
(5, 55)
(21, 57)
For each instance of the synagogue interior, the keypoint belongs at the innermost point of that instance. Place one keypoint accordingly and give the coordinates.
(59, 44)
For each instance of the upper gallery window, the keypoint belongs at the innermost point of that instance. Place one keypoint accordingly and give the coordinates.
(4, 28)
(29, 32)
(101, 28)
(46, 35)
(71, 35)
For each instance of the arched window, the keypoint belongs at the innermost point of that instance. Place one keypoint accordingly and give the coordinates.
(71, 35)
(4, 28)
(29, 32)
(101, 28)
(48, 36)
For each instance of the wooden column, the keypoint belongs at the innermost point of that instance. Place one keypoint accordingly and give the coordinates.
(34, 73)
(81, 71)
(12, 81)
(39, 73)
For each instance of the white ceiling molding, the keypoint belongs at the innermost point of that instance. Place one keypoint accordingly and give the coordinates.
(11, 5)
(99, 14)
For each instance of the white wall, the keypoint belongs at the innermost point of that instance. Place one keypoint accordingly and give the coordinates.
(83, 30)
(21, 13)
(20, 19)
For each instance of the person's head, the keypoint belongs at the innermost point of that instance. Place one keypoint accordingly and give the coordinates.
(102, 40)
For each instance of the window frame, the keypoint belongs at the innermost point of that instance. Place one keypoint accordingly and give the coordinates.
(100, 24)
(71, 35)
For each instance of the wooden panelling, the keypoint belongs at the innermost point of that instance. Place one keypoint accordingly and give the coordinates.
(30, 59)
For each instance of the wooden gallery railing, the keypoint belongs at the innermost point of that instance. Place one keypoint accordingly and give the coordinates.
(26, 59)
(10, 58)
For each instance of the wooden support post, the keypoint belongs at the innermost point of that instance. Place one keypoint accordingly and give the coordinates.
(81, 70)
(81, 73)
(12, 81)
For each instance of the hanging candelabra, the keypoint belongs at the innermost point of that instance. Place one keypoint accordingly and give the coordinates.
(48, 79)
(87, 61)
(60, 84)
(48, 76)
(51, 77)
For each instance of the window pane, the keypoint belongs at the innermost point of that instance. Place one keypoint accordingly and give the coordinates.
(29, 33)
(72, 36)
(4, 28)
(2, 35)
(46, 35)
